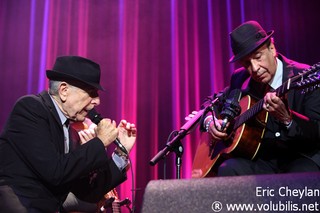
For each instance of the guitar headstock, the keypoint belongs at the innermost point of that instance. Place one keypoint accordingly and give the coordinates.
(306, 81)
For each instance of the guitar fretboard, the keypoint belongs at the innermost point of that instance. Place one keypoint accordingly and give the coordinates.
(308, 78)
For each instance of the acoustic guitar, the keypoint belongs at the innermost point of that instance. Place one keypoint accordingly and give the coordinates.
(111, 202)
(247, 129)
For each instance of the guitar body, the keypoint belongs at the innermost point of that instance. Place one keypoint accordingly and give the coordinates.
(244, 141)
(110, 203)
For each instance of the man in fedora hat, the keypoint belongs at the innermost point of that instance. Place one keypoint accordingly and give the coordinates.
(39, 162)
(290, 140)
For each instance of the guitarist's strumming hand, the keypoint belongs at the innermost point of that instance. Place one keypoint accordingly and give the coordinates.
(213, 126)
(278, 108)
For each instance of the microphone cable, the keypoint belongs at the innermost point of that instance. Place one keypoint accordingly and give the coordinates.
(133, 197)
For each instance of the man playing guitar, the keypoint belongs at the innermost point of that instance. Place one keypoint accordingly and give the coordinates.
(289, 140)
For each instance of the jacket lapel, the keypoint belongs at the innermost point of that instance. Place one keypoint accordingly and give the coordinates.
(45, 98)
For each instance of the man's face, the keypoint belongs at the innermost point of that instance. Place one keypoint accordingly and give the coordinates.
(79, 101)
(261, 64)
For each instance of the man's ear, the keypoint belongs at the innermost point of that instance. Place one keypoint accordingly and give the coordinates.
(273, 49)
(63, 91)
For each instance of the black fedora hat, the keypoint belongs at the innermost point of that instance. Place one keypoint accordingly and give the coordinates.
(246, 38)
(76, 70)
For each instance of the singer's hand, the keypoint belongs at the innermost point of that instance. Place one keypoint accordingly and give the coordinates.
(85, 130)
(127, 134)
(277, 107)
(107, 131)
(87, 134)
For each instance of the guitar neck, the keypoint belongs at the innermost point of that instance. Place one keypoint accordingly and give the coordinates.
(247, 115)
(116, 207)
(255, 109)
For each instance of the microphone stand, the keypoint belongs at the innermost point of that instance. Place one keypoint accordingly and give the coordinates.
(175, 144)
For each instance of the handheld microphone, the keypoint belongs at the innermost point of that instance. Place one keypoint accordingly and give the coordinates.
(231, 107)
(95, 117)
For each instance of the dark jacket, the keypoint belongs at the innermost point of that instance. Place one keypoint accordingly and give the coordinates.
(33, 163)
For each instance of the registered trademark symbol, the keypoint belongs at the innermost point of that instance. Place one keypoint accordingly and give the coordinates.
(216, 206)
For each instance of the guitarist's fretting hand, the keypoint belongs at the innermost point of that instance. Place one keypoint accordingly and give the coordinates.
(277, 107)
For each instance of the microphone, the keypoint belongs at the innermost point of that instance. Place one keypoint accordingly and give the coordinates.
(231, 107)
(95, 117)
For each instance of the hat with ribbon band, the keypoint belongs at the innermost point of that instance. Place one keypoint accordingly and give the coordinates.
(246, 38)
(77, 70)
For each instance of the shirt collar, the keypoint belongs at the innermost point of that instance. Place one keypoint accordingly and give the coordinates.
(62, 117)
(277, 79)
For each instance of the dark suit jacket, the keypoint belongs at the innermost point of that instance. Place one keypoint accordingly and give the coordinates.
(33, 163)
(303, 137)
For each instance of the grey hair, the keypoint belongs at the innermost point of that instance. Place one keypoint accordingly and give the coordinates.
(54, 87)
